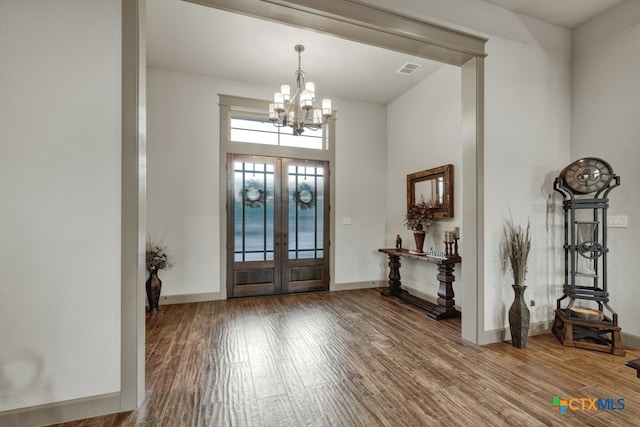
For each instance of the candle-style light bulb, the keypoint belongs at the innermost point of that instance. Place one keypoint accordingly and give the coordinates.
(278, 102)
(286, 92)
(326, 107)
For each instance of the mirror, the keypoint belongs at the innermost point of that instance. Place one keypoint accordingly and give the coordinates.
(433, 184)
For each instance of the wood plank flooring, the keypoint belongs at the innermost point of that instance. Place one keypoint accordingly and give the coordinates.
(355, 358)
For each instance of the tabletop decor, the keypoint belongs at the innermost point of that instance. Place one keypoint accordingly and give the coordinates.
(418, 218)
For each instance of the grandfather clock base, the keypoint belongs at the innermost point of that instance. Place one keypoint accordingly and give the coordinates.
(587, 334)
(444, 309)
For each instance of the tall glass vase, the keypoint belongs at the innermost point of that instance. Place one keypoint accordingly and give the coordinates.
(519, 318)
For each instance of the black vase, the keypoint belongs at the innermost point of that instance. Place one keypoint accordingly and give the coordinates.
(154, 286)
(519, 318)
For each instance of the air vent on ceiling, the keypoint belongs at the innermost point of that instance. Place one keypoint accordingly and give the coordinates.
(408, 68)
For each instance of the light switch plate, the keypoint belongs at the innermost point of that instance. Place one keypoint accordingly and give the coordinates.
(617, 221)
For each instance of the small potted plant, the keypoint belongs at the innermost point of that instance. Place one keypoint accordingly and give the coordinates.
(516, 244)
(418, 218)
(157, 258)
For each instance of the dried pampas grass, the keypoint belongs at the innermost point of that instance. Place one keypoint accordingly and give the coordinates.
(515, 250)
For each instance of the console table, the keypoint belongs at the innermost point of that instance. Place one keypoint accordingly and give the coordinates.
(444, 309)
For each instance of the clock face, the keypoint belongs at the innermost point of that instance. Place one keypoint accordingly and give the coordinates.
(587, 175)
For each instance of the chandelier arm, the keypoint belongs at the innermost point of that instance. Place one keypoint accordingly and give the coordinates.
(304, 122)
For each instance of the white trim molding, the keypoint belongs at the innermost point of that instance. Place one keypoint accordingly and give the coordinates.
(349, 286)
(191, 298)
(504, 334)
(631, 341)
(133, 204)
(62, 411)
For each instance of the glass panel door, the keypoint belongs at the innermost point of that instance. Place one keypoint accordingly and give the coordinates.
(277, 226)
(252, 259)
(306, 266)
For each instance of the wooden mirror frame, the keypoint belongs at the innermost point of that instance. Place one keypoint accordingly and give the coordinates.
(444, 209)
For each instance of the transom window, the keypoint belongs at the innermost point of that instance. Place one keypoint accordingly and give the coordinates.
(251, 128)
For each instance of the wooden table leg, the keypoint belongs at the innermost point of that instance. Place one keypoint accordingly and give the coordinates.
(445, 290)
(446, 301)
(395, 287)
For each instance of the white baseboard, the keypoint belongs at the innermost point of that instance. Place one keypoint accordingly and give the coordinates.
(215, 296)
(59, 412)
(496, 335)
(189, 298)
(504, 334)
(358, 285)
(630, 341)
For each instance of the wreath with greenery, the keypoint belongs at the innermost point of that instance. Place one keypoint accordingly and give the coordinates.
(253, 195)
(305, 196)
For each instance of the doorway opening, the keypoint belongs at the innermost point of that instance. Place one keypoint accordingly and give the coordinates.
(277, 225)
(358, 22)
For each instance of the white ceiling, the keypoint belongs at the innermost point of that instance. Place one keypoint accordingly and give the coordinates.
(563, 13)
(187, 37)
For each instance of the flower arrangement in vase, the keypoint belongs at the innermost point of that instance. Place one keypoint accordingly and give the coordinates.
(418, 218)
(157, 258)
(515, 247)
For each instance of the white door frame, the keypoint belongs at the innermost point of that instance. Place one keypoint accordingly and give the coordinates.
(357, 22)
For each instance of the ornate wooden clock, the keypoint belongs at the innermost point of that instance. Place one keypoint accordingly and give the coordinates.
(585, 185)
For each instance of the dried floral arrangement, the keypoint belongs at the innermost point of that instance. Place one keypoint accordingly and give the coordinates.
(419, 215)
(157, 256)
(515, 247)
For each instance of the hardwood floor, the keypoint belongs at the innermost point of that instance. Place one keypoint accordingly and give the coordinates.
(354, 358)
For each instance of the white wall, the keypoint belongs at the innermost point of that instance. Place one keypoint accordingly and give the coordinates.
(183, 178)
(605, 111)
(527, 132)
(183, 185)
(526, 145)
(361, 193)
(60, 210)
(423, 132)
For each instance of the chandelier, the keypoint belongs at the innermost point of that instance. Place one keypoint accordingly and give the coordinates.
(297, 111)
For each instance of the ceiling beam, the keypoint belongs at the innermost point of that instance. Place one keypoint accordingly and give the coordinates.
(362, 23)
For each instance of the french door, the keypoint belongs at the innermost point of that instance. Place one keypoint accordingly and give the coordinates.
(277, 225)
